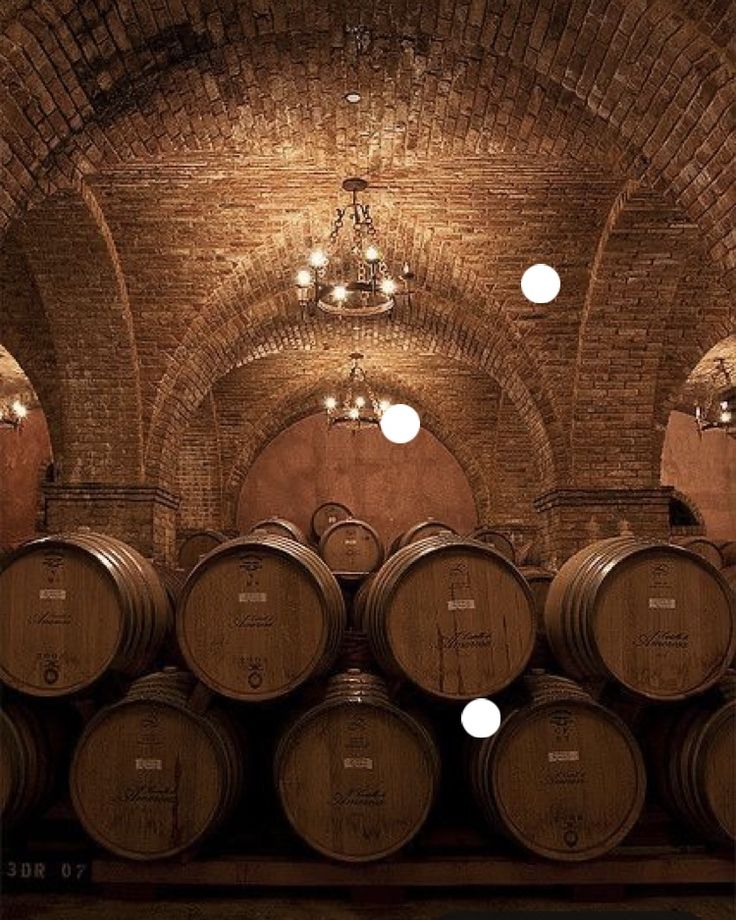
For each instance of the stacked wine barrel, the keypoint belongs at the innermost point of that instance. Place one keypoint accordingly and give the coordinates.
(359, 660)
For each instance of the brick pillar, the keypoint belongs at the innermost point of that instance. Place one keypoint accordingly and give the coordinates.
(572, 518)
(143, 516)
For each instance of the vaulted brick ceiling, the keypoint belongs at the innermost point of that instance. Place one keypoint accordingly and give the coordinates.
(180, 158)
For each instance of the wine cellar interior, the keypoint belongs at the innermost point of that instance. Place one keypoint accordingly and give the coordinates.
(367, 457)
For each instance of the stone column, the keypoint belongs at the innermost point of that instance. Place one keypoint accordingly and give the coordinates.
(572, 518)
(142, 515)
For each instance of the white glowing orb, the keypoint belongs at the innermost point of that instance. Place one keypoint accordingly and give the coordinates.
(481, 718)
(540, 283)
(400, 423)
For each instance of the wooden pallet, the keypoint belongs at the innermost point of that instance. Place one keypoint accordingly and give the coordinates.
(623, 868)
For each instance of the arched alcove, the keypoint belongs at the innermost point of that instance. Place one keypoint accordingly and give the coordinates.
(25, 455)
(391, 486)
(702, 465)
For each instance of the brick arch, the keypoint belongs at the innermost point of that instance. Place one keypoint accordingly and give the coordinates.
(651, 73)
(628, 337)
(303, 400)
(26, 334)
(89, 322)
(429, 327)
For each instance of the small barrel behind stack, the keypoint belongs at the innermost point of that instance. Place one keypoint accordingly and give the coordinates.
(198, 544)
(356, 775)
(352, 549)
(562, 776)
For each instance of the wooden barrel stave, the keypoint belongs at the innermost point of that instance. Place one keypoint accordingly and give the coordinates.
(652, 616)
(352, 549)
(452, 616)
(708, 549)
(281, 527)
(367, 792)
(80, 606)
(327, 514)
(151, 776)
(429, 528)
(495, 538)
(562, 777)
(259, 616)
(197, 545)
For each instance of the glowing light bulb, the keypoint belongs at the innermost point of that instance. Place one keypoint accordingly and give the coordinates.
(330, 403)
(339, 292)
(372, 254)
(724, 404)
(400, 424)
(359, 402)
(384, 405)
(317, 258)
(540, 283)
(388, 286)
(353, 97)
(725, 416)
(19, 409)
(303, 278)
(354, 414)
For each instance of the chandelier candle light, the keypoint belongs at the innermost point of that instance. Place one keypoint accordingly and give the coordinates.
(13, 415)
(719, 410)
(366, 288)
(357, 407)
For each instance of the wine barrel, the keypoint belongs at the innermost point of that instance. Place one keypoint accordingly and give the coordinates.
(326, 515)
(31, 747)
(453, 616)
(539, 580)
(728, 552)
(562, 776)
(259, 616)
(153, 775)
(499, 541)
(703, 547)
(729, 573)
(77, 606)
(356, 776)
(692, 759)
(197, 545)
(420, 531)
(352, 549)
(281, 527)
(172, 581)
(655, 617)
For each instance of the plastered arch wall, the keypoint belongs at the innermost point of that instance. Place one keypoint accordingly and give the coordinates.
(391, 486)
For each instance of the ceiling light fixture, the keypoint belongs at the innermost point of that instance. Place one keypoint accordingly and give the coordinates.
(356, 407)
(718, 408)
(362, 284)
(13, 415)
(400, 423)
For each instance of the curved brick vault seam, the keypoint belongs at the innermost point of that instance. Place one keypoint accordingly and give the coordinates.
(97, 356)
(674, 46)
(303, 401)
(25, 334)
(239, 342)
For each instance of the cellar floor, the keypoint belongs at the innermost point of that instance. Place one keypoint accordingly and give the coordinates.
(66, 907)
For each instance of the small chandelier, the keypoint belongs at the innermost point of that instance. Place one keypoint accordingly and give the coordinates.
(356, 407)
(719, 410)
(366, 289)
(12, 415)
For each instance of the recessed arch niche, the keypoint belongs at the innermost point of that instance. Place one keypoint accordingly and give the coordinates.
(389, 485)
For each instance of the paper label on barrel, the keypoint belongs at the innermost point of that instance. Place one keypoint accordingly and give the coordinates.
(562, 756)
(350, 542)
(662, 603)
(358, 763)
(466, 603)
(52, 594)
(253, 597)
(150, 763)
(332, 519)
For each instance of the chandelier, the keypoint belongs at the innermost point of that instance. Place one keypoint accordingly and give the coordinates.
(361, 284)
(12, 415)
(356, 407)
(719, 409)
